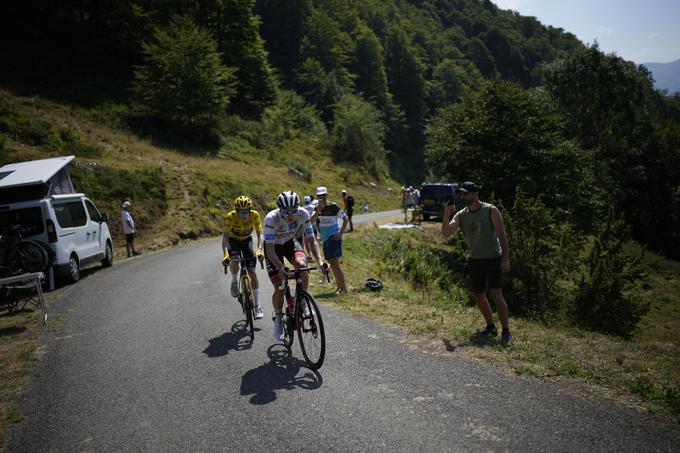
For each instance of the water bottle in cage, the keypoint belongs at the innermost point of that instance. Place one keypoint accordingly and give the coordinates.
(291, 305)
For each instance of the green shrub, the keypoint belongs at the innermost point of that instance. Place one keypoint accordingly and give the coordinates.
(413, 255)
(358, 135)
(183, 79)
(543, 252)
(603, 302)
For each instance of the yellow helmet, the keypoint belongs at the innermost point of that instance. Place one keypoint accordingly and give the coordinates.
(243, 202)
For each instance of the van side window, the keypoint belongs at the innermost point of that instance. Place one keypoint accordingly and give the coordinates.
(70, 214)
(92, 210)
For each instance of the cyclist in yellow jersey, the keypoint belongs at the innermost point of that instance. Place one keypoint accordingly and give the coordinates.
(238, 228)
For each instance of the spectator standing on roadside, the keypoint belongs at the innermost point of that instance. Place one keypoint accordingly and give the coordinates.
(329, 215)
(349, 207)
(488, 256)
(128, 229)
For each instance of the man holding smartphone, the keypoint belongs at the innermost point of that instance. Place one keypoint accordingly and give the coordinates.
(488, 257)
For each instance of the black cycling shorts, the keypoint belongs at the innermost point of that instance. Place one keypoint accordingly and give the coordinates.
(290, 250)
(483, 271)
(237, 247)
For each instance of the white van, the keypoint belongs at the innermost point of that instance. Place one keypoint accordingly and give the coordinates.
(69, 224)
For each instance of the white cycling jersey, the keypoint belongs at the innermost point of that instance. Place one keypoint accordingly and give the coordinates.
(278, 231)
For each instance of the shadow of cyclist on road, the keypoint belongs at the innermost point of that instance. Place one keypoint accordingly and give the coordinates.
(281, 373)
(236, 340)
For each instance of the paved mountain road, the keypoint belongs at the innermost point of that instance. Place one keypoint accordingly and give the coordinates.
(152, 357)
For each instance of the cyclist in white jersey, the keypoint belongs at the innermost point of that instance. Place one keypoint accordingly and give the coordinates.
(279, 242)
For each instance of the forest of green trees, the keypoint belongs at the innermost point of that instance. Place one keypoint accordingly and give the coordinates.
(422, 89)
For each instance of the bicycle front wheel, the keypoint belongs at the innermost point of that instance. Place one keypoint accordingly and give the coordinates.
(248, 306)
(29, 256)
(310, 331)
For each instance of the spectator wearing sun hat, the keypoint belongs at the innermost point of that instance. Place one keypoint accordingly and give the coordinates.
(128, 229)
(329, 215)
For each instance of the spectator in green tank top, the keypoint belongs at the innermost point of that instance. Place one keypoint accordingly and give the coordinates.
(488, 257)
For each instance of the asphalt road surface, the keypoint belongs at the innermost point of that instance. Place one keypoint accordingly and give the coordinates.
(152, 356)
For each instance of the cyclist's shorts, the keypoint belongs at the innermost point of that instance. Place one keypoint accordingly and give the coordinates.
(237, 247)
(290, 250)
(332, 248)
(483, 270)
(130, 238)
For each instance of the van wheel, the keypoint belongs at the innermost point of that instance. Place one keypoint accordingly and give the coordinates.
(73, 269)
(108, 255)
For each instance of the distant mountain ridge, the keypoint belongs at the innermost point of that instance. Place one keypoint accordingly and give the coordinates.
(666, 75)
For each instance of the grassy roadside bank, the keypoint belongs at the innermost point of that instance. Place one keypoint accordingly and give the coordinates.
(643, 371)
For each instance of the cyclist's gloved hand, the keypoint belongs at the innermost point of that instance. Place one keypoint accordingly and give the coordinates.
(325, 266)
(259, 254)
(226, 260)
(284, 273)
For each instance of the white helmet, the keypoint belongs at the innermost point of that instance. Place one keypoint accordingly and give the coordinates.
(321, 190)
(288, 200)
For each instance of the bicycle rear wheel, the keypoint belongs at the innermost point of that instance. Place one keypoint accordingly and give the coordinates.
(29, 256)
(310, 331)
(248, 306)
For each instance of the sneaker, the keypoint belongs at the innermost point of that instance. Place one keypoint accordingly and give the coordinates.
(234, 289)
(136, 253)
(259, 313)
(488, 331)
(278, 328)
(506, 337)
(129, 254)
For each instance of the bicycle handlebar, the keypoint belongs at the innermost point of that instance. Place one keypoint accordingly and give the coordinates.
(226, 262)
(296, 273)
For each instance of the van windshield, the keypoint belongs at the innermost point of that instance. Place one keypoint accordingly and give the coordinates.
(29, 219)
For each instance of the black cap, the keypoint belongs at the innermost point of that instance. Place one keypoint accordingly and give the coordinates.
(468, 186)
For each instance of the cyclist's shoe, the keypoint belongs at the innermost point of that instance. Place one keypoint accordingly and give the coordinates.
(278, 328)
(506, 338)
(259, 313)
(488, 332)
(234, 289)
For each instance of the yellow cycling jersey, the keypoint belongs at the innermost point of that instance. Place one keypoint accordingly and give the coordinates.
(240, 230)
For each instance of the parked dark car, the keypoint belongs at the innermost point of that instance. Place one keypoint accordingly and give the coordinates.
(433, 197)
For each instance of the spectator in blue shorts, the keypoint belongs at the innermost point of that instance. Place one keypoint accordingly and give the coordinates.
(329, 215)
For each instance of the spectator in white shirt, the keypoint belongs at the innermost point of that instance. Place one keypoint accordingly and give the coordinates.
(128, 229)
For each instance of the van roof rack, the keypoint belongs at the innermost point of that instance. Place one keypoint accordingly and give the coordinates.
(66, 196)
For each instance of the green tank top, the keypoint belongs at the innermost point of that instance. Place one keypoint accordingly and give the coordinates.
(481, 237)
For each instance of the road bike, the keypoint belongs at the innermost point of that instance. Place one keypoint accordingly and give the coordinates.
(19, 255)
(302, 314)
(245, 291)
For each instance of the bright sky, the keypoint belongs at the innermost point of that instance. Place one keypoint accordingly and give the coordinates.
(644, 31)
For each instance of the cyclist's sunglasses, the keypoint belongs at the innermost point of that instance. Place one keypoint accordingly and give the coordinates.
(243, 211)
(289, 211)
